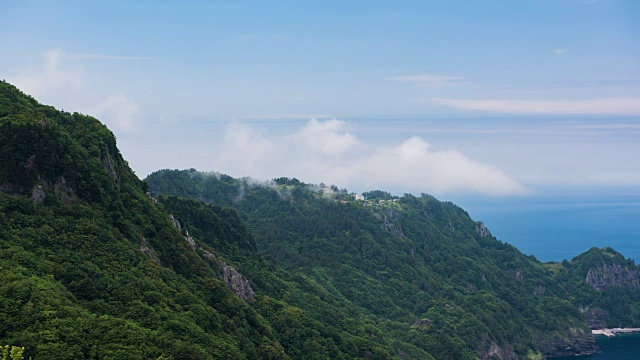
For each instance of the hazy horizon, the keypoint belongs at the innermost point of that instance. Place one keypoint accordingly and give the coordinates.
(513, 103)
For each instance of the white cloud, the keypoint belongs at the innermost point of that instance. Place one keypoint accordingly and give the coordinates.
(122, 112)
(48, 77)
(245, 149)
(559, 51)
(598, 106)
(286, 117)
(325, 137)
(55, 81)
(324, 151)
(427, 80)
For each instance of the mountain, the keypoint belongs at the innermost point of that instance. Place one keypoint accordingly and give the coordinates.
(421, 269)
(91, 267)
(97, 264)
(605, 287)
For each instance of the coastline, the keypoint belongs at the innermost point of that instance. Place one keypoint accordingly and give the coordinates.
(615, 331)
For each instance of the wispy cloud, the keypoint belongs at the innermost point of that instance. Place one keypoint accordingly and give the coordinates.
(428, 80)
(559, 51)
(121, 112)
(48, 76)
(615, 126)
(324, 151)
(597, 106)
(57, 81)
(287, 117)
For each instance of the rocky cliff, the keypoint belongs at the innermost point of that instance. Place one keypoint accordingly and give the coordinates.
(581, 343)
(606, 277)
(235, 281)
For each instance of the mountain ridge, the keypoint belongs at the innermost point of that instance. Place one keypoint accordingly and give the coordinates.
(94, 267)
(443, 220)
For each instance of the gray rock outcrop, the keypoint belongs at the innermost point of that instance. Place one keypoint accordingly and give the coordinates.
(237, 283)
(607, 277)
(496, 352)
(482, 230)
(392, 227)
(144, 247)
(579, 342)
(60, 189)
(596, 318)
(175, 222)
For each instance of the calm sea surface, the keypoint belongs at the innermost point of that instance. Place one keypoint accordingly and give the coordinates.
(560, 224)
(621, 347)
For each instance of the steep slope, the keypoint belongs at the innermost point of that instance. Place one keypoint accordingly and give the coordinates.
(310, 319)
(92, 267)
(605, 285)
(421, 269)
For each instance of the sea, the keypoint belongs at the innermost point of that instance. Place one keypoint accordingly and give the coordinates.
(620, 347)
(554, 224)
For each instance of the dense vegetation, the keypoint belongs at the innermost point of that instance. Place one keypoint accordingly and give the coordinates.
(418, 267)
(611, 295)
(93, 267)
(74, 283)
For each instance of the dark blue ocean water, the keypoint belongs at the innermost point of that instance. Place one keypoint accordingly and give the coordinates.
(557, 224)
(621, 347)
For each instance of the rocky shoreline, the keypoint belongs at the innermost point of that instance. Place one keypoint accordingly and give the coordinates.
(579, 342)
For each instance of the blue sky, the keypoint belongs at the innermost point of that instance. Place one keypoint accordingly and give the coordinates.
(446, 97)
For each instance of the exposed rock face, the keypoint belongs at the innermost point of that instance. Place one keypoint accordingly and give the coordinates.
(482, 230)
(184, 232)
(61, 191)
(495, 352)
(235, 281)
(37, 194)
(596, 318)
(519, 275)
(175, 222)
(108, 163)
(492, 353)
(144, 247)
(450, 227)
(422, 323)
(392, 227)
(190, 239)
(606, 277)
(582, 343)
(208, 255)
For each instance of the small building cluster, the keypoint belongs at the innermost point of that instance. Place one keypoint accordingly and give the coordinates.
(361, 199)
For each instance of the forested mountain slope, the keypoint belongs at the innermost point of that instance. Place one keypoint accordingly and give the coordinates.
(212, 267)
(605, 287)
(91, 267)
(421, 269)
